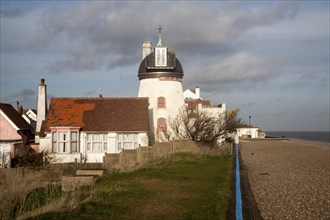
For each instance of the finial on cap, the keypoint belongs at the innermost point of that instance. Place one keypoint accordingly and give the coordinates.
(160, 44)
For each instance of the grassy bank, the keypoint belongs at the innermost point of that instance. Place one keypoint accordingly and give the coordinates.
(182, 187)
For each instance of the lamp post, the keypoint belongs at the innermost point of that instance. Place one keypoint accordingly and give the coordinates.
(250, 125)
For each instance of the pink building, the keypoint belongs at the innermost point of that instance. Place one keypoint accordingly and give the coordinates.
(15, 135)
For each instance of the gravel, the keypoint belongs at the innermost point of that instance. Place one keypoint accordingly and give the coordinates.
(289, 179)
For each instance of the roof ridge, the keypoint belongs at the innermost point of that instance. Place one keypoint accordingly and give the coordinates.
(99, 97)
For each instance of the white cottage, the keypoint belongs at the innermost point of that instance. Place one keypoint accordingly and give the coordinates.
(251, 132)
(84, 129)
(195, 103)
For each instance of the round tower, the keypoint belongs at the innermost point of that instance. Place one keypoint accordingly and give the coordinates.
(160, 74)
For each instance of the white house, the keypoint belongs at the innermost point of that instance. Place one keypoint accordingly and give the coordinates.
(30, 117)
(160, 74)
(192, 94)
(84, 129)
(250, 133)
(194, 103)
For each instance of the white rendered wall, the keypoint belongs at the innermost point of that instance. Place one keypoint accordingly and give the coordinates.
(171, 90)
(188, 94)
(92, 157)
(214, 111)
(254, 132)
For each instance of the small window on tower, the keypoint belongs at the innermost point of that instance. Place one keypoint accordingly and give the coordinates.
(161, 102)
(161, 125)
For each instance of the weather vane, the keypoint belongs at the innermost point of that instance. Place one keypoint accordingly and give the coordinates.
(160, 44)
(160, 29)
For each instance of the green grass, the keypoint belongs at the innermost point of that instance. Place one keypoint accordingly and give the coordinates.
(181, 187)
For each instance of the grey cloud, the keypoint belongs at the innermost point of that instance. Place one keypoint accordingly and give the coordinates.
(25, 97)
(24, 93)
(117, 29)
(249, 104)
(79, 63)
(11, 11)
(308, 79)
(242, 70)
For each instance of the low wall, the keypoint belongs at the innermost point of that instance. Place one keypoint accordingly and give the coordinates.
(129, 160)
(90, 172)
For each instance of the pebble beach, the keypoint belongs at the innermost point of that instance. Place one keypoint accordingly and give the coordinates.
(289, 179)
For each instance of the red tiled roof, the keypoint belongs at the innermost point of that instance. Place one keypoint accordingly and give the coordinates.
(15, 117)
(99, 114)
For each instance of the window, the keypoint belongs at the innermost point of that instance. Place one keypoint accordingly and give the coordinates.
(161, 102)
(65, 140)
(127, 141)
(74, 141)
(161, 56)
(54, 141)
(161, 125)
(97, 142)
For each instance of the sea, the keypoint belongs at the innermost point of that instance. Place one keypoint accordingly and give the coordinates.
(323, 136)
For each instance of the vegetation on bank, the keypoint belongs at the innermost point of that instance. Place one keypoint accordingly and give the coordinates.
(184, 186)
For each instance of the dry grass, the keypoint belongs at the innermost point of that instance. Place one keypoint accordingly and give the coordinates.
(183, 186)
(26, 192)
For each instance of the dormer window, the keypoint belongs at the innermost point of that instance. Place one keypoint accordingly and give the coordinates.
(161, 56)
(161, 102)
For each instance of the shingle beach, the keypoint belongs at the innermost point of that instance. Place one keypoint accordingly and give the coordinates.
(289, 179)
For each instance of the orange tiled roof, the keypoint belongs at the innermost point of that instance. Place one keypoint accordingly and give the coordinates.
(99, 114)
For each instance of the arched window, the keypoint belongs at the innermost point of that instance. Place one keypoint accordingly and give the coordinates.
(161, 102)
(161, 125)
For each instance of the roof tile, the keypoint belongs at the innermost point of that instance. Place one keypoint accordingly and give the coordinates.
(99, 114)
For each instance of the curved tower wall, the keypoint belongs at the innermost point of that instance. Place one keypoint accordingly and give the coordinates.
(153, 88)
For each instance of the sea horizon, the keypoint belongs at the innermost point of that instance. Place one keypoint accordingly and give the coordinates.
(323, 136)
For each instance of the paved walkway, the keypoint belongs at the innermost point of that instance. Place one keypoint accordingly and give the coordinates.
(289, 179)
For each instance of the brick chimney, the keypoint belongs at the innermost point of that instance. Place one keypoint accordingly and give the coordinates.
(41, 108)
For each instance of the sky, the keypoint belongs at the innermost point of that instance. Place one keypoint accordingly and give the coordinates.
(269, 59)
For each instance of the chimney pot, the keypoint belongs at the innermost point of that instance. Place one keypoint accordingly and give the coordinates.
(42, 81)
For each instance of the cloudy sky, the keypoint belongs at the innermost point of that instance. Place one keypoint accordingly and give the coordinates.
(269, 59)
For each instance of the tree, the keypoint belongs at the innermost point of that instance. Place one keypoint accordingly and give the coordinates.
(203, 126)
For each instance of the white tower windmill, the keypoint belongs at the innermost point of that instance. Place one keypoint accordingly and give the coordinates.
(160, 74)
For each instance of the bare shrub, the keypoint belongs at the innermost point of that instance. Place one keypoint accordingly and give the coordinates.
(203, 127)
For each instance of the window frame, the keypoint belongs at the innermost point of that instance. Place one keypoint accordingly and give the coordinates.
(161, 125)
(66, 140)
(128, 140)
(161, 102)
(93, 140)
(160, 56)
